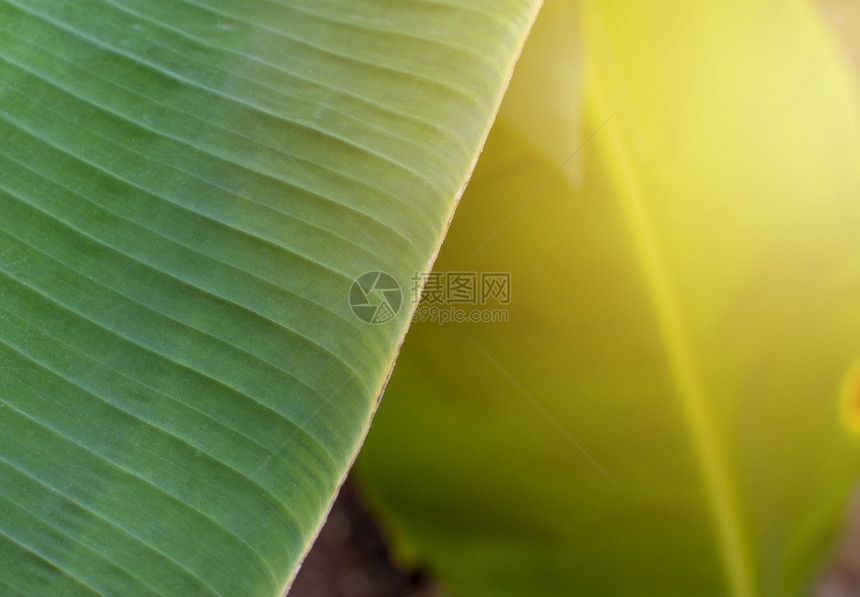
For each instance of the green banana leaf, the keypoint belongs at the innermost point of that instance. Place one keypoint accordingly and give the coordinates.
(670, 405)
(188, 191)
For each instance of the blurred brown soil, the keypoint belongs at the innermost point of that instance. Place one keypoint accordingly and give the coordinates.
(351, 558)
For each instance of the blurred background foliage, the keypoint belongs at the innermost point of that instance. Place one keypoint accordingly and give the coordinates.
(672, 407)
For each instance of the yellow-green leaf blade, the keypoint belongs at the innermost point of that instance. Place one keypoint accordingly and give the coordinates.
(188, 191)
